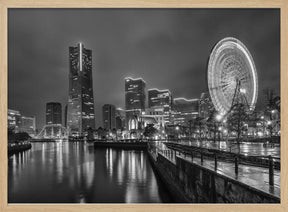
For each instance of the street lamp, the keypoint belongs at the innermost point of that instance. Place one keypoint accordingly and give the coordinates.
(177, 129)
(219, 117)
(243, 90)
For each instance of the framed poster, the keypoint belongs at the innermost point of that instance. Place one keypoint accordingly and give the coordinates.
(143, 106)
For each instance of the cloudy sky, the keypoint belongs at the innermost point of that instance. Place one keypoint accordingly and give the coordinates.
(168, 48)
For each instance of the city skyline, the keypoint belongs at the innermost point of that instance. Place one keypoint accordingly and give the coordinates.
(152, 42)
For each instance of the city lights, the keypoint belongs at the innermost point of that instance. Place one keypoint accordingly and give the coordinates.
(106, 135)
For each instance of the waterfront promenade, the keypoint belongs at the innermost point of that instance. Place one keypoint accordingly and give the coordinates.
(256, 171)
(254, 176)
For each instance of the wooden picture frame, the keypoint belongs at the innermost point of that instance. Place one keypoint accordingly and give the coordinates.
(5, 4)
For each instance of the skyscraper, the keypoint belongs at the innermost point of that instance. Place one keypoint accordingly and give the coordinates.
(109, 120)
(53, 113)
(135, 93)
(134, 97)
(80, 114)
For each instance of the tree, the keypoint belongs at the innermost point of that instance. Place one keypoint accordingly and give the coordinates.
(90, 134)
(237, 120)
(212, 124)
(190, 123)
(269, 96)
(199, 124)
(150, 131)
(22, 136)
(114, 131)
(272, 105)
(11, 134)
(101, 132)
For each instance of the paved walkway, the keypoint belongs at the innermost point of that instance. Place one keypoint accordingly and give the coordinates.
(256, 177)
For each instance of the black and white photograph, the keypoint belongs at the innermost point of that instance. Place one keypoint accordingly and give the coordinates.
(144, 105)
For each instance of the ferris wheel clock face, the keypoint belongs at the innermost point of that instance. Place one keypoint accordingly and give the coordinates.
(230, 69)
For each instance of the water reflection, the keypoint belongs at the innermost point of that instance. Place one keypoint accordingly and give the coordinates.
(78, 173)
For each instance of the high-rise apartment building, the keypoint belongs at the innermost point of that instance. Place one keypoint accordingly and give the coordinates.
(80, 113)
(53, 113)
(109, 120)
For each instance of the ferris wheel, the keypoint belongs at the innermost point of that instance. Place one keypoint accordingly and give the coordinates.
(232, 76)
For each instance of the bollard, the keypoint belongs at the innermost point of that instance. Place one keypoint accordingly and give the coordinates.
(215, 161)
(192, 155)
(201, 157)
(236, 165)
(271, 171)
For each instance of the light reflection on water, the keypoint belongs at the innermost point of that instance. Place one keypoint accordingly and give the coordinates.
(78, 173)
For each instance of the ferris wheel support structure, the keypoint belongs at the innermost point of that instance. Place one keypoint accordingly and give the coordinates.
(232, 76)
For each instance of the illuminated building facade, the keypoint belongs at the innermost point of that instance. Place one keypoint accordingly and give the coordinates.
(158, 114)
(53, 113)
(28, 124)
(109, 120)
(20, 123)
(184, 110)
(80, 112)
(14, 120)
(157, 98)
(134, 97)
(159, 102)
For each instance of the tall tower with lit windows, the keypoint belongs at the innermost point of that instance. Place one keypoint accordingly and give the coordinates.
(134, 98)
(80, 112)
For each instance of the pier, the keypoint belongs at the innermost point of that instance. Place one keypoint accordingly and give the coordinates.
(18, 147)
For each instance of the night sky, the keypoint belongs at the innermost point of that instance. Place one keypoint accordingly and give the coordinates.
(168, 48)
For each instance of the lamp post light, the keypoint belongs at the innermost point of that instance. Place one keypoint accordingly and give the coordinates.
(219, 117)
(177, 128)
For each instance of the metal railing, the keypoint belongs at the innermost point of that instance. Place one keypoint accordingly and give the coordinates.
(236, 159)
